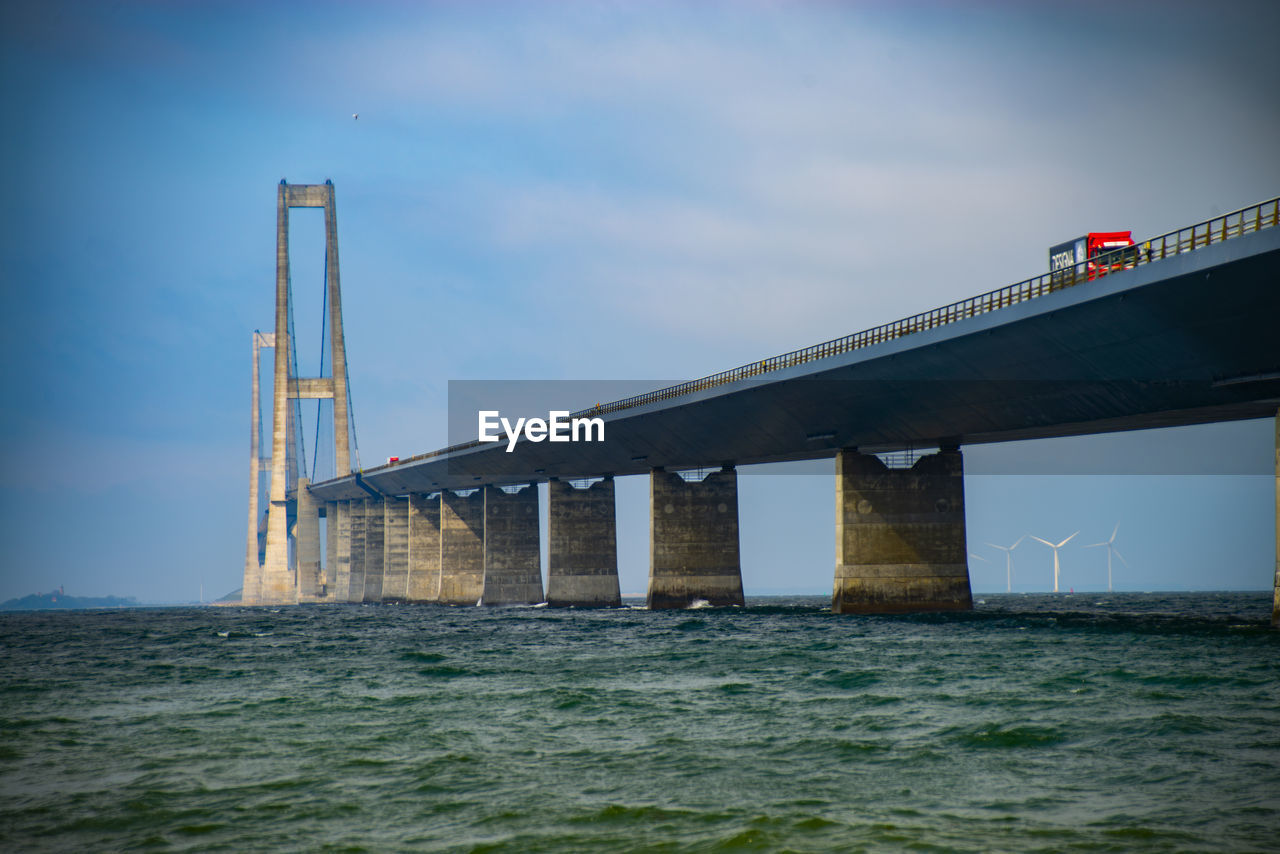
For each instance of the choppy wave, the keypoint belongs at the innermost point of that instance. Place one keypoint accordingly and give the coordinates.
(1116, 722)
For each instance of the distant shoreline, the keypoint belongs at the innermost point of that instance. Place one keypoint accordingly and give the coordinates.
(59, 601)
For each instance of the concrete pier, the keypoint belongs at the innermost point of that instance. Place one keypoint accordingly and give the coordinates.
(337, 340)
(278, 584)
(251, 590)
(395, 554)
(424, 548)
(461, 547)
(900, 537)
(329, 568)
(339, 527)
(307, 542)
(583, 551)
(375, 534)
(512, 552)
(355, 572)
(693, 540)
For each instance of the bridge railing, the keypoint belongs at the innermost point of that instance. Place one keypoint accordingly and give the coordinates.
(1226, 227)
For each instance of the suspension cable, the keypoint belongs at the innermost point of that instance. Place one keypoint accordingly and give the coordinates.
(351, 412)
(299, 435)
(324, 317)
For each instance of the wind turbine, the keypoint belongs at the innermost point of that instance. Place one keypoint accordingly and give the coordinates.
(1008, 561)
(1111, 550)
(1055, 555)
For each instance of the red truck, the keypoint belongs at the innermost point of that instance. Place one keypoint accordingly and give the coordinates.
(1079, 258)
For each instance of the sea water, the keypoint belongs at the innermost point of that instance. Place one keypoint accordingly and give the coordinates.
(1092, 722)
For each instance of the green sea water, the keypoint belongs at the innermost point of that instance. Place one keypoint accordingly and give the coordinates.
(1096, 722)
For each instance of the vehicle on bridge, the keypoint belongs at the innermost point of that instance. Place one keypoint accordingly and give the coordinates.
(1092, 256)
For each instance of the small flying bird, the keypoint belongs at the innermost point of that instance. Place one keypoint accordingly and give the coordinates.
(355, 115)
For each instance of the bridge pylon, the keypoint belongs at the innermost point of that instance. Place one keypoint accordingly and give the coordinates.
(277, 560)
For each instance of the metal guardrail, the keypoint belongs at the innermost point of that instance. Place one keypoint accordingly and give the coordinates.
(1235, 224)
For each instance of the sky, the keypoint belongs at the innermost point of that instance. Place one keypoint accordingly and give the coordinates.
(586, 191)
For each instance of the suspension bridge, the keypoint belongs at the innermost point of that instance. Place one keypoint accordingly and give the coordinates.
(1178, 329)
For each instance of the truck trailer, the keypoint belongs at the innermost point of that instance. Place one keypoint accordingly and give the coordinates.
(1091, 256)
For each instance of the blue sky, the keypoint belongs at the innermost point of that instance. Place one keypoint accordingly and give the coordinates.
(580, 191)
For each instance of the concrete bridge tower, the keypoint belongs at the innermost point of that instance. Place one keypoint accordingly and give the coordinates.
(271, 574)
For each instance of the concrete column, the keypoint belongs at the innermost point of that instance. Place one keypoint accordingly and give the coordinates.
(277, 581)
(375, 535)
(583, 551)
(355, 570)
(461, 548)
(279, 568)
(395, 555)
(693, 540)
(337, 344)
(512, 553)
(424, 548)
(251, 590)
(1275, 600)
(329, 569)
(339, 528)
(900, 537)
(307, 539)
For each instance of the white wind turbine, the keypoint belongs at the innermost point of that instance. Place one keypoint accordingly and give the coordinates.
(1008, 561)
(1111, 550)
(1055, 555)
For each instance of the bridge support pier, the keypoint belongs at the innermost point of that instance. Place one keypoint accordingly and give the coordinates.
(1275, 597)
(355, 573)
(583, 552)
(424, 549)
(693, 540)
(339, 557)
(900, 536)
(395, 560)
(251, 590)
(375, 537)
(307, 542)
(461, 547)
(330, 566)
(278, 580)
(512, 552)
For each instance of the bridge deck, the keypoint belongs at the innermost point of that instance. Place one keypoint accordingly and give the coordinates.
(1187, 338)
